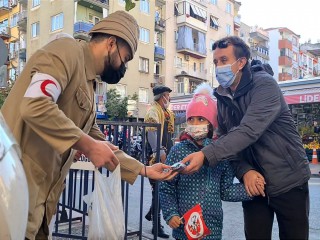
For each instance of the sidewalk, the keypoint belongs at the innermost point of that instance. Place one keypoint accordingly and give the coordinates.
(315, 169)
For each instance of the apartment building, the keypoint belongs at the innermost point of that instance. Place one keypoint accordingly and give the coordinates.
(258, 43)
(309, 60)
(284, 53)
(9, 33)
(192, 26)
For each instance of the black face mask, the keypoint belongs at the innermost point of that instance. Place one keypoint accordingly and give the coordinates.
(112, 76)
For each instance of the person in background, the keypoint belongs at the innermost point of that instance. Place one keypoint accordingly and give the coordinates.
(159, 113)
(55, 115)
(209, 185)
(256, 130)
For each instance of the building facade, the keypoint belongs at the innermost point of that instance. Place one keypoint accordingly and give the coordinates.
(284, 53)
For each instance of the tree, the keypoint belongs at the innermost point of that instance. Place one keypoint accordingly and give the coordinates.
(130, 5)
(116, 105)
(3, 94)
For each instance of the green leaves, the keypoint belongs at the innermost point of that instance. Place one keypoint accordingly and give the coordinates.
(129, 5)
(116, 105)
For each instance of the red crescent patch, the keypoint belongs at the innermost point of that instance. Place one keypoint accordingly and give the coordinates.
(44, 84)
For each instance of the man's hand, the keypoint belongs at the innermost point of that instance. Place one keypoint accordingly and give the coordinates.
(254, 183)
(195, 161)
(156, 172)
(101, 155)
(175, 222)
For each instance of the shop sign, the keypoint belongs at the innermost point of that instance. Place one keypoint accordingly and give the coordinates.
(303, 98)
(179, 107)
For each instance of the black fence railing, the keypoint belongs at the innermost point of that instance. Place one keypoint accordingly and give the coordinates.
(71, 217)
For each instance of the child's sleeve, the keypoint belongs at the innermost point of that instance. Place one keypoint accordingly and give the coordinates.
(168, 191)
(231, 192)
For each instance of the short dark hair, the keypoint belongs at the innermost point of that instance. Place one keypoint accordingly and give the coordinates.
(241, 49)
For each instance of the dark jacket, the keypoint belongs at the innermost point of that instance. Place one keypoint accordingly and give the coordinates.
(259, 133)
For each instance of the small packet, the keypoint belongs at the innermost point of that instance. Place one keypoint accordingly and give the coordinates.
(177, 167)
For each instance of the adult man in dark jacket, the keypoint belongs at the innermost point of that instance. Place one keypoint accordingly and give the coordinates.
(257, 129)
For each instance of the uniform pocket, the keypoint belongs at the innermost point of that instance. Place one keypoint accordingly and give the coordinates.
(83, 100)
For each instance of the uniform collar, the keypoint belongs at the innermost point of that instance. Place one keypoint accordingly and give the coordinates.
(88, 61)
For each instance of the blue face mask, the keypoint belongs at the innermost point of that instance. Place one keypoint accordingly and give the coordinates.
(225, 76)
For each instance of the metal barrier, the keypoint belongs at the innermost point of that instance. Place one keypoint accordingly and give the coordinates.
(71, 220)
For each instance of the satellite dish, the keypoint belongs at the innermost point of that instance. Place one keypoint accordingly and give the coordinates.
(4, 52)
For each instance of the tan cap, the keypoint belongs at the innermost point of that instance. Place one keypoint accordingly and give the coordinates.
(120, 24)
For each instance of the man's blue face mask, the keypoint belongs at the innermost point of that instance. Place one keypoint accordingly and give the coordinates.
(225, 76)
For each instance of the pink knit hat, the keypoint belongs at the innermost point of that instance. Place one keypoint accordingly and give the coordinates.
(203, 105)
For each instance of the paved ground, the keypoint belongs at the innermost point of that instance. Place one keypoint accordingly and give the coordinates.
(233, 219)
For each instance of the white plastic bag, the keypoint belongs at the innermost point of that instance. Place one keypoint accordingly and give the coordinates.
(106, 216)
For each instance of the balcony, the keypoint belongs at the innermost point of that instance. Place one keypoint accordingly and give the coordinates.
(159, 54)
(186, 70)
(194, 51)
(285, 76)
(259, 34)
(24, 2)
(259, 50)
(285, 43)
(188, 20)
(191, 42)
(95, 5)
(23, 54)
(160, 3)
(285, 61)
(158, 79)
(160, 25)
(81, 30)
(5, 32)
(4, 7)
(22, 21)
(237, 22)
(13, 55)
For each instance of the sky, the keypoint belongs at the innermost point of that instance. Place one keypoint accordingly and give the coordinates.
(301, 17)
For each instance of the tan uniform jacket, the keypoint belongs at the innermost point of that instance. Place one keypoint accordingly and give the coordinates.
(46, 130)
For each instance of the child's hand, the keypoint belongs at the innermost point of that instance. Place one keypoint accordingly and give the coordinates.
(175, 222)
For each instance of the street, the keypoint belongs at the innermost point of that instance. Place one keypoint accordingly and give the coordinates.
(233, 219)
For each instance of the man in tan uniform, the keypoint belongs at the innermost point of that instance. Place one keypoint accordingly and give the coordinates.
(51, 112)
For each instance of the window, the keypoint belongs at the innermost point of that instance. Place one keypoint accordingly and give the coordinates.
(35, 29)
(13, 20)
(211, 44)
(194, 66)
(121, 2)
(214, 2)
(228, 8)
(144, 65)
(122, 90)
(12, 74)
(145, 6)
(214, 22)
(295, 57)
(178, 62)
(228, 29)
(294, 41)
(93, 19)
(35, 3)
(57, 22)
(144, 35)
(180, 86)
(201, 67)
(143, 95)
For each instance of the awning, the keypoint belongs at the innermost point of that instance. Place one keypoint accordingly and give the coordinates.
(198, 11)
(214, 20)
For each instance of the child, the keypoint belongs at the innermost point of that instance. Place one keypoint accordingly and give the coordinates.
(209, 185)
